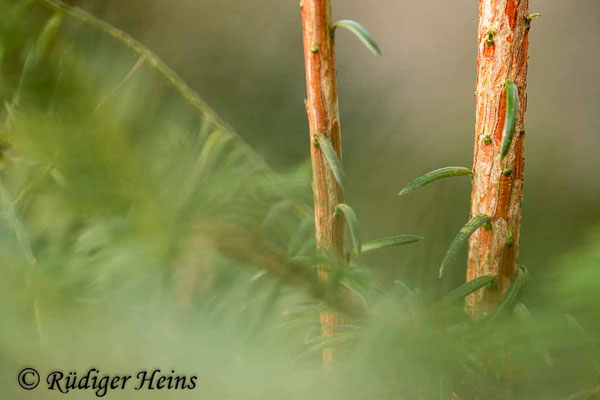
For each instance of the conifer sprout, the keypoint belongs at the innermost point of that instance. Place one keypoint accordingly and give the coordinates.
(440, 173)
(139, 231)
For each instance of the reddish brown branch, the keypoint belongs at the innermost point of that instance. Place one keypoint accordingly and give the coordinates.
(497, 183)
(323, 117)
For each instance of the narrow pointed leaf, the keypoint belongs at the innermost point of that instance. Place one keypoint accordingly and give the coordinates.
(212, 151)
(332, 158)
(328, 341)
(49, 34)
(445, 172)
(510, 119)
(352, 222)
(361, 33)
(391, 241)
(467, 288)
(461, 239)
(512, 293)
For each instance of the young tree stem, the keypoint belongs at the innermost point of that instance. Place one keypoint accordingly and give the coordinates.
(323, 118)
(503, 40)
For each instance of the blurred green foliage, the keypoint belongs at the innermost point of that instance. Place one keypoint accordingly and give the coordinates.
(139, 232)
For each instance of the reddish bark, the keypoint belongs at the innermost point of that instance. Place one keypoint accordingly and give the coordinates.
(323, 118)
(498, 183)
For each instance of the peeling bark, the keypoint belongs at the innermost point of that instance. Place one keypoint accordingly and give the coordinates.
(323, 118)
(503, 39)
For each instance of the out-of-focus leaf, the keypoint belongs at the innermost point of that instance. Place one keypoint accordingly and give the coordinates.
(445, 172)
(587, 339)
(16, 225)
(497, 354)
(308, 248)
(212, 150)
(49, 34)
(356, 292)
(512, 293)
(329, 341)
(412, 298)
(169, 75)
(522, 313)
(361, 33)
(277, 211)
(300, 236)
(460, 239)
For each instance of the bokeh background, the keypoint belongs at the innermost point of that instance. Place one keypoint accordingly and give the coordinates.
(403, 114)
(124, 212)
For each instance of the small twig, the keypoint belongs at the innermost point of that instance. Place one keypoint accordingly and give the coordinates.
(169, 75)
(323, 121)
